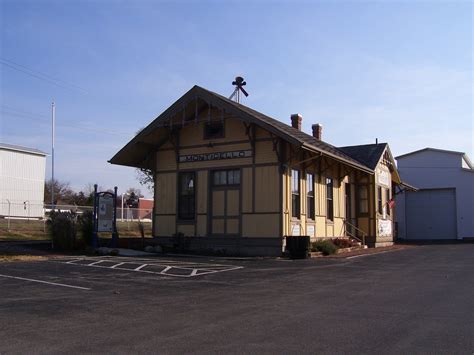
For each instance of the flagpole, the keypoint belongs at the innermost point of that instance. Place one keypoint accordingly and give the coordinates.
(53, 119)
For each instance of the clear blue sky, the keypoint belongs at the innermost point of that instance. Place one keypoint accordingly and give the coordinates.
(397, 71)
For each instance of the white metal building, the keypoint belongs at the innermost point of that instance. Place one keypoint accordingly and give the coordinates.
(443, 208)
(22, 177)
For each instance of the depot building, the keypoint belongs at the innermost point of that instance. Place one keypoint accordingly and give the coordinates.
(231, 179)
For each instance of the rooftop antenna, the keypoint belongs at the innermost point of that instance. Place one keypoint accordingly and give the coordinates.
(238, 82)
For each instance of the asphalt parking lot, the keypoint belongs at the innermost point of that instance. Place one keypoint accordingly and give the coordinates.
(417, 300)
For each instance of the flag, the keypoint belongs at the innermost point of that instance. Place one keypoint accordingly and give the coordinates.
(391, 203)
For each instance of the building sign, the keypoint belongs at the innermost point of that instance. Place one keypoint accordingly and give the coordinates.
(385, 228)
(383, 177)
(295, 229)
(189, 158)
(310, 230)
(105, 216)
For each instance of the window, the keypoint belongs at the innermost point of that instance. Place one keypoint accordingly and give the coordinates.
(387, 200)
(310, 195)
(226, 177)
(295, 193)
(363, 199)
(213, 130)
(186, 197)
(379, 200)
(329, 200)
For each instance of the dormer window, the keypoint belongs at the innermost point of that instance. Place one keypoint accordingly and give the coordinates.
(213, 130)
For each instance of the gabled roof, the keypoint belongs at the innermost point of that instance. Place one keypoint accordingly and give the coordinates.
(462, 154)
(22, 149)
(371, 154)
(280, 129)
(367, 154)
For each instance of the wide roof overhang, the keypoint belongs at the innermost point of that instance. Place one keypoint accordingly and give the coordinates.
(137, 151)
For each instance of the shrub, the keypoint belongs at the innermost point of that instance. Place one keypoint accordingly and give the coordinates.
(141, 228)
(86, 225)
(327, 247)
(62, 229)
(342, 242)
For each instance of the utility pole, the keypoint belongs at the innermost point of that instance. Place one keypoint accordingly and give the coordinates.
(53, 118)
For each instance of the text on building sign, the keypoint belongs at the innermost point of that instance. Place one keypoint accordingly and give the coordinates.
(188, 158)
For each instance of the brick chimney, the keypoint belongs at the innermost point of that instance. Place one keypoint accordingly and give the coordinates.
(317, 131)
(296, 119)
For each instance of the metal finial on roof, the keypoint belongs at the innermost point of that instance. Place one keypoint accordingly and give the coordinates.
(239, 83)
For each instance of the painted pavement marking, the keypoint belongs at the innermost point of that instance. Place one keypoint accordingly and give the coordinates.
(168, 267)
(44, 282)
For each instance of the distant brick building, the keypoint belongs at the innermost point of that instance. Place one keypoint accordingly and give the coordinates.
(145, 208)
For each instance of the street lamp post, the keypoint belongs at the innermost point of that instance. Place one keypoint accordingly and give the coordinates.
(24, 207)
(121, 208)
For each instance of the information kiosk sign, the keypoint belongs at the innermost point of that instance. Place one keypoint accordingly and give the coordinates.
(105, 215)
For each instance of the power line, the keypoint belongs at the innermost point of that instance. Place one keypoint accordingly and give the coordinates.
(39, 75)
(43, 121)
(10, 108)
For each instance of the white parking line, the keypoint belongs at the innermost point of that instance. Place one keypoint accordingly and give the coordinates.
(44, 282)
(73, 261)
(361, 255)
(113, 267)
(174, 268)
(97, 262)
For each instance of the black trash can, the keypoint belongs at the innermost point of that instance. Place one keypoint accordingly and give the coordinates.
(298, 246)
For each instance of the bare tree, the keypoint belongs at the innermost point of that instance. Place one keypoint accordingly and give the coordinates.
(63, 194)
(145, 176)
(135, 192)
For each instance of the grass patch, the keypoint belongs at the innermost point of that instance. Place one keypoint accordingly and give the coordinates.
(36, 230)
(10, 258)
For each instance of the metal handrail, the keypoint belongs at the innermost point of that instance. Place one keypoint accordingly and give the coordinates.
(357, 229)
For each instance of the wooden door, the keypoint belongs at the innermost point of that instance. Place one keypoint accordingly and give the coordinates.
(225, 203)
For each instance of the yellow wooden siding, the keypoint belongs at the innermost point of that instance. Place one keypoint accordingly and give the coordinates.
(261, 226)
(202, 225)
(235, 130)
(186, 229)
(165, 192)
(165, 225)
(320, 227)
(267, 197)
(214, 164)
(165, 160)
(261, 133)
(202, 191)
(246, 186)
(265, 153)
(193, 134)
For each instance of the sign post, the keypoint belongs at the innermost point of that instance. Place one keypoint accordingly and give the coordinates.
(105, 215)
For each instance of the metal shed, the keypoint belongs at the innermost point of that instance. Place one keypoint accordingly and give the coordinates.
(22, 178)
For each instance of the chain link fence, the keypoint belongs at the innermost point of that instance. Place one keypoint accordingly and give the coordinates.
(23, 218)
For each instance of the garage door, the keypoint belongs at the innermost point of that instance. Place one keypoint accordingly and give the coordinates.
(431, 214)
